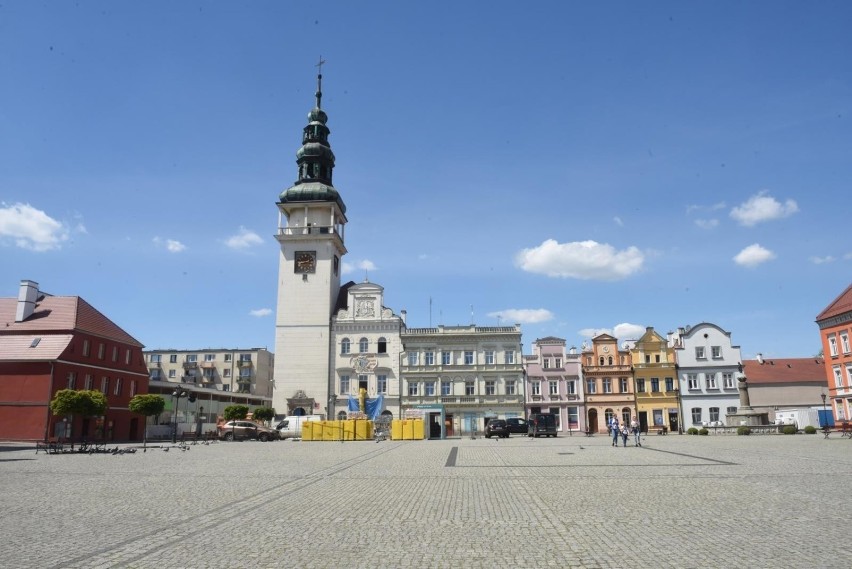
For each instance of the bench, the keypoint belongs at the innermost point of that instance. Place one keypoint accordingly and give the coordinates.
(826, 430)
(846, 429)
(50, 446)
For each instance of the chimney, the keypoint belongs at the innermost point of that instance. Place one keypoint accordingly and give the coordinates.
(760, 358)
(27, 296)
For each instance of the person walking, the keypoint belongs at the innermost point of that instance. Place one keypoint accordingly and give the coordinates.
(614, 430)
(624, 433)
(637, 434)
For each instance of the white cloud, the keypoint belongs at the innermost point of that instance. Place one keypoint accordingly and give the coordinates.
(618, 221)
(243, 239)
(172, 245)
(696, 207)
(762, 207)
(707, 223)
(623, 331)
(523, 315)
(364, 265)
(31, 228)
(822, 260)
(753, 255)
(580, 260)
(260, 312)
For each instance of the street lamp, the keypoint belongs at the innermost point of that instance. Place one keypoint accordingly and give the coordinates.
(824, 422)
(176, 394)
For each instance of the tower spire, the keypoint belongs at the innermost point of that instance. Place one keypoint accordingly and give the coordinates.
(319, 82)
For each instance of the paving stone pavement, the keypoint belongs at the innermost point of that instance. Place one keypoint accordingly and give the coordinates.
(679, 501)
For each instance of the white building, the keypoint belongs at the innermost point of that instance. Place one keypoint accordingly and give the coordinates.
(708, 370)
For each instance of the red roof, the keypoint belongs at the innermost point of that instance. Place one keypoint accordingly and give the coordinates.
(61, 314)
(786, 370)
(839, 305)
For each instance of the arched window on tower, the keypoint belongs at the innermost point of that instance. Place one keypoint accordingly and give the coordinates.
(610, 360)
(363, 345)
(602, 360)
(344, 346)
(382, 346)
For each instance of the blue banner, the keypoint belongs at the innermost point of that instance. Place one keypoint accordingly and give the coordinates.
(374, 407)
(353, 405)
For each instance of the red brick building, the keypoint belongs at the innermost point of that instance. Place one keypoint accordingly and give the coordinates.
(835, 328)
(49, 343)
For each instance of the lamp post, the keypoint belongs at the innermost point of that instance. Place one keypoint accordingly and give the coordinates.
(824, 422)
(176, 394)
(679, 411)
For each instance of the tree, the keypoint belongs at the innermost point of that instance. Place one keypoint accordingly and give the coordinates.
(85, 403)
(147, 405)
(235, 413)
(263, 414)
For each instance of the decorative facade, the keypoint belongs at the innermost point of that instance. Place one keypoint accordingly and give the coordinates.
(608, 379)
(461, 377)
(366, 347)
(835, 328)
(554, 383)
(709, 367)
(655, 383)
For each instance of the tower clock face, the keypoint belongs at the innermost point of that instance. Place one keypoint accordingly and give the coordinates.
(306, 262)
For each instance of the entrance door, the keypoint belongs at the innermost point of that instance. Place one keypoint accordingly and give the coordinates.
(448, 426)
(592, 423)
(643, 421)
(434, 425)
(673, 422)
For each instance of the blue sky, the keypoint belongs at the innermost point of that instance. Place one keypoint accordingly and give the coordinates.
(573, 166)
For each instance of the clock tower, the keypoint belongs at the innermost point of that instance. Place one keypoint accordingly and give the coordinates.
(311, 219)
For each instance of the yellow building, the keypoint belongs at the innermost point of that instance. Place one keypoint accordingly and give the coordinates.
(655, 383)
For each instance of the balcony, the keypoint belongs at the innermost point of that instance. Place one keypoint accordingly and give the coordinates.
(244, 363)
(208, 365)
(155, 365)
(244, 379)
(190, 365)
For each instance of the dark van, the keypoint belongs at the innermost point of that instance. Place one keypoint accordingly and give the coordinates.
(541, 424)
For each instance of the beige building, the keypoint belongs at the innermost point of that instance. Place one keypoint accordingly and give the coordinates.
(462, 376)
(246, 371)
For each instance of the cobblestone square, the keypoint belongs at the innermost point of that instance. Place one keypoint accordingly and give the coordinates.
(678, 501)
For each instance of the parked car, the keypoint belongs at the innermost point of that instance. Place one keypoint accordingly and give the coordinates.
(517, 425)
(496, 428)
(542, 424)
(291, 427)
(235, 430)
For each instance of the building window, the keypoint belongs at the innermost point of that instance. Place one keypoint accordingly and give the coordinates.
(363, 345)
(657, 358)
(468, 358)
(469, 388)
(610, 360)
(156, 375)
(510, 387)
(545, 363)
(227, 357)
(607, 385)
(573, 417)
(728, 380)
(571, 387)
(171, 374)
(173, 359)
(838, 377)
(245, 372)
(622, 385)
(699, 353)
(731, 410)
(490, 387)
(710, 379)
(70, 379)
(430, 358)
(133, 388)
(382, 346)
(446, 388)
(412, 358)
(430, 388)
(509, 357)
(345, 346)
(536, 388)
(714, 414)
(193, 358)
(105, 385)
(844, 342)
(489, 357)
(658, 417)
(716, 352)
(832, 345)
(89, 384)
(554, 387)
(647, 358)
(640, 385)
(101, 348)
(446, 358)
(209, 375)
(226, 373)
(382, 383)
(602, 361)
(692, 380)
(226, 387)
(209, 357)
(155, 358)
(591, 386)
(669, 384)
(608, 415)
(86, 349)
(413, 388)
(696, 415)
(127, 356)
(115, 353)
(655, 385)
(117, 390)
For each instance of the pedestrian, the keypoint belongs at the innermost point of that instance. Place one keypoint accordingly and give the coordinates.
(624, 433)
(614, 431)
(637, 434)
